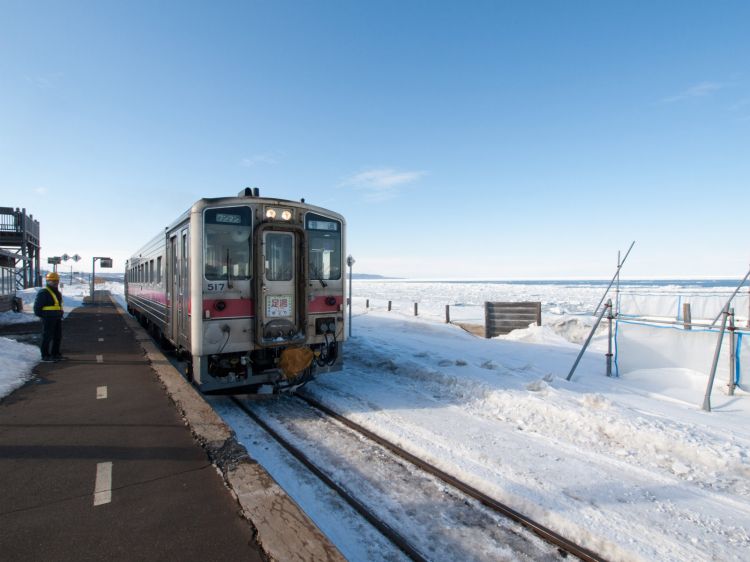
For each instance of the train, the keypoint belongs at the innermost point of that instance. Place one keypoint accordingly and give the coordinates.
(248, 290)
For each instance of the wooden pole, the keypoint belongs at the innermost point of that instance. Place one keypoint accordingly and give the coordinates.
(447, 314)
(687, 316)
(416, 313)
(389, 306)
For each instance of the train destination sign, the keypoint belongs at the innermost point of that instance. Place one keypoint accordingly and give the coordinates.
(226, 218)
(279, 305)
(323, 225)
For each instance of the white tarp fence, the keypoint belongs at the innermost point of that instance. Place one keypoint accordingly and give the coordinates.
(704, 306)
(644, 345)
(639, 345)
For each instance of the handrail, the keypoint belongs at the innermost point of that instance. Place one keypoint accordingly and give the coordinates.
(16, 220)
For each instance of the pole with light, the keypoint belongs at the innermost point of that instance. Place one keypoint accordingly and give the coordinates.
(54, 261)
(350, 262)
(104, 262)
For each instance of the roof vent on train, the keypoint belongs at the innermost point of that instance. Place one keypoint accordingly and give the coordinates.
(249, 192)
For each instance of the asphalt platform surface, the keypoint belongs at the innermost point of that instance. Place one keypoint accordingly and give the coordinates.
(96, 463)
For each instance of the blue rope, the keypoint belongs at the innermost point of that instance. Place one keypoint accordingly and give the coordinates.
(669, 327)
(737, 370)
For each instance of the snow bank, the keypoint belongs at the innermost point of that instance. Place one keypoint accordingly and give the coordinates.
(16, 363)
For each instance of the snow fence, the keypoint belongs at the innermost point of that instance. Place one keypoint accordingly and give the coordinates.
(650, 334)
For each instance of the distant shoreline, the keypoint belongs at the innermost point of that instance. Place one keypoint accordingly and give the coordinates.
(701, 282)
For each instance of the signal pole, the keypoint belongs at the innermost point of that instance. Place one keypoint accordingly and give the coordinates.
(350, 262)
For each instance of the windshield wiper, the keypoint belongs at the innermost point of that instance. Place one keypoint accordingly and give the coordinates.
(316, 273)
(229, 271)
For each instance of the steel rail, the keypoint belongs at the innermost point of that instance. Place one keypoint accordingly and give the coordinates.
(541, 531)
(386, 530)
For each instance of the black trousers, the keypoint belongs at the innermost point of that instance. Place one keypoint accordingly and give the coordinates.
(51, 335)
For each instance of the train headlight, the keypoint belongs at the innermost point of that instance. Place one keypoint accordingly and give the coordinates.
(275, 213)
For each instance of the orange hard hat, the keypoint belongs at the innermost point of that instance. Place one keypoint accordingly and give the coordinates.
(52, 276)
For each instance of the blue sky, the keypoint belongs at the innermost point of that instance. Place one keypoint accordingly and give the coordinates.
(460, 139)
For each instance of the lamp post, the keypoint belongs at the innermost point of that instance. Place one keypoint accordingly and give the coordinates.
(350, 262)
(104, 262)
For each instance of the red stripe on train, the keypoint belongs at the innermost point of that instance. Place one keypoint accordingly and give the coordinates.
(319, 304)
(231, 308)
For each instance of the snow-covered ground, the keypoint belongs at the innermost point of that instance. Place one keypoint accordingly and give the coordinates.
(630, 467)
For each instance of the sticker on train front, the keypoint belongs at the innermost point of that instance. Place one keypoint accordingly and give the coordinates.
(279, 306)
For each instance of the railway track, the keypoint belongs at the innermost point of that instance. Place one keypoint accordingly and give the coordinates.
(556, 547)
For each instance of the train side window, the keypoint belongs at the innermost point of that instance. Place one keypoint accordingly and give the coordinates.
(158, 270)
(324, 246)
(228, 244)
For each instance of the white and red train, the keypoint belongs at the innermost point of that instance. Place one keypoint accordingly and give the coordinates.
(249, 289)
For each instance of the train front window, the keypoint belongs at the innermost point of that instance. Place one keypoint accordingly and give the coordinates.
(228, 244)
(279, 256)
(324, 243)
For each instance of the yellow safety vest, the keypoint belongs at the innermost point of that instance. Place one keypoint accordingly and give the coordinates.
(58, 303)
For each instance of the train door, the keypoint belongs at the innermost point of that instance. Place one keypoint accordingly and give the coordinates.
(172, 288)
(281, 306)
(183, 287)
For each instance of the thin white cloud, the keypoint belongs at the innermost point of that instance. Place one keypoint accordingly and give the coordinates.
(381, 184)
(700, 90)
(41, 190)
(45, 81)
(255, 159)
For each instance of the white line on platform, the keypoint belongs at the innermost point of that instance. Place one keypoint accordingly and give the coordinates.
(101, 392)
(100, 358)
(103, 485)
(101, 328)
(101, 339)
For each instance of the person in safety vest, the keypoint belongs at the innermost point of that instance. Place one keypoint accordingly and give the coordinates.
(49, 307)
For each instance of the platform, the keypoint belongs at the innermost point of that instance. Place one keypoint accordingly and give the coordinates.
(104, 457)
